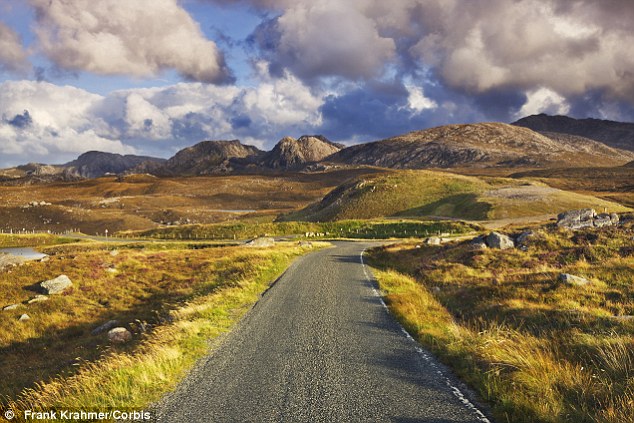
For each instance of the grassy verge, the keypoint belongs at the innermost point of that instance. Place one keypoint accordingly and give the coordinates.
(11, 240)
(344, 229)
(539, 351)
(188, 297)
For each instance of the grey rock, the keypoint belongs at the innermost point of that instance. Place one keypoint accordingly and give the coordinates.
(119, 335)
(24, 318)
(573, 280)
(576, 219)
(499, 241)
(10, 307)
(306, 244)
(433, 241)
(110, 324)
(261, 242)
(37, 299)
(57, 285)
(114, 253)
(602, 220)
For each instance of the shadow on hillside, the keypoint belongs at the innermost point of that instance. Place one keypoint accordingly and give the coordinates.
(462, 206)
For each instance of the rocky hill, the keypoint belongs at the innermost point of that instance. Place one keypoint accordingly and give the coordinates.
(614, 134)
(208, 157)
(94, 164)
(480, 145)
(292, 153)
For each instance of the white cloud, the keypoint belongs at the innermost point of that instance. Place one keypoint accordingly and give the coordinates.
(417, 100)
(543, 100)
(139, 38)
(13, 57)
(44, 122)
(40, 121)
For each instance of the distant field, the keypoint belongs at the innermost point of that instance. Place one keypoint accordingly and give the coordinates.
(538, 350)
(430, 193)
(183, 294)
(144, 202)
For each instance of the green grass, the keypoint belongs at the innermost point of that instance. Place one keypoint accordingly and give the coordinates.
(380, 229)
(429, 193)
(189, 296)
(537, 350)
(34, 240)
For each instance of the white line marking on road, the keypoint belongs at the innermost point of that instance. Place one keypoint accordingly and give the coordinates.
(428, 357)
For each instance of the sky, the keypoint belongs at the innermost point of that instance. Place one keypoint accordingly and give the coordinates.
(153, 76)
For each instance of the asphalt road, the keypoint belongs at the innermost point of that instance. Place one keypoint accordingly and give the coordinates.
(320, 347)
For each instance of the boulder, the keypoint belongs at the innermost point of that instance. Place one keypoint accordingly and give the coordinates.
(110, 324)
(10, 307)
(499, 241)
(573, 280)
(56, 286)
(433, 241)
(38, 298)
(261, 242)
(24, 318)
(119, 335)
(576, 219)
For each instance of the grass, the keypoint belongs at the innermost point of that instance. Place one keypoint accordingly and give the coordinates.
(187, 296)
(431, 193)
(538, 351)
(15, 240)
(341, 229)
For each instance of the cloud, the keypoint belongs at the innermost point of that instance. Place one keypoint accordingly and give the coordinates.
(13, 57)
(34, 127)
(482, 46)
(324, 38)
(139, 38)
(156, 121)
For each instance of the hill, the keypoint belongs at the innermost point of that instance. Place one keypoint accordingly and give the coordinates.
(94, 164)
(209, 157)
(479, 145)
(440, 194)
(294, 153)
(614, 134)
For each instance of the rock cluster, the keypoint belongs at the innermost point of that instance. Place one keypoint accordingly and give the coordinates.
(501, 241)
(586, 218)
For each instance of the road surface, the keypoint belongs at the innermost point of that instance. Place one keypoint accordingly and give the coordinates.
(320, 347)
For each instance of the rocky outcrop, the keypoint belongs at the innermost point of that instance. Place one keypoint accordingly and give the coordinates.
(94, 164)
(586, 218)
(208, 158)
(56, 286)
(290, 153)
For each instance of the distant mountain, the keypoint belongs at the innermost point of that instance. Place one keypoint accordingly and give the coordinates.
(94, 164)
(209, 157)
(614, 134)
(480, 145)
(294, 153)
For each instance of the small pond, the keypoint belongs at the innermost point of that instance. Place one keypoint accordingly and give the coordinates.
(26, 252)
